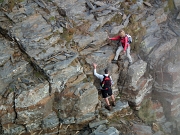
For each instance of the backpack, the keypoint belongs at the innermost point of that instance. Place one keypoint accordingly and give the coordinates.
(129, 38)
(106, 83)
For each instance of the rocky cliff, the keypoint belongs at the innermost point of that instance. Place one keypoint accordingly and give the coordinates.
(47, 84)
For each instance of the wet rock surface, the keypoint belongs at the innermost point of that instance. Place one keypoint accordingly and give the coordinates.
(47, 84)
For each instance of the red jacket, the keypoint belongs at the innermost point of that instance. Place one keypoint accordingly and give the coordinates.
(123, 40)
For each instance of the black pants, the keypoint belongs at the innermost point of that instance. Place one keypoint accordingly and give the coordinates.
(106, 93)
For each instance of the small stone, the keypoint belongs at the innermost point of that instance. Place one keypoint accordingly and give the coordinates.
(147, 4)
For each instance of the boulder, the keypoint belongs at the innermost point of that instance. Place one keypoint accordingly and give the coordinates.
(77, 103)
(137, 85)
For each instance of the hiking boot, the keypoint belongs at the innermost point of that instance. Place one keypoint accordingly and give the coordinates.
(114, 61)
(113, 103)
(108, 107)
(130, 63)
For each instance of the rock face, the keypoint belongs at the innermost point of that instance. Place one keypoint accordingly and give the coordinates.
(137, 85)
(167, 83)
(47, 50)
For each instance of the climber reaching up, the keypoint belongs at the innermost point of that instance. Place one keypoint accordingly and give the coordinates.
(106, 90)
(125, 41)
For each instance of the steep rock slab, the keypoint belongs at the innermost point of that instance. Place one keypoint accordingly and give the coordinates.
(160, 15)
(101, 21)
(27, 113)
(76, 102)
(74, 9)
(149, 41)
(159, 52)
(50, 124)
(153, 34)
(7, 113)
(87, 44)
(137, 85)
(67, 76)
(167, 88)
(33, 96)
(166, 74)
(35, 37)
(32, 106)
(12, 64)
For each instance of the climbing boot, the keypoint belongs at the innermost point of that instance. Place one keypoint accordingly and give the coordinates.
(108, 107)
(113, 103)
(130, 63)
(114, 61)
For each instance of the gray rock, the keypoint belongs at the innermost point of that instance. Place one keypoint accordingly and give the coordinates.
(148, 43)
(103, 130)
(142, 129)
(3, 59)
(137, 86)
(87, 42)
(51, 121)
(8, 117)
(60, 78)
(177, 4)
(95, 124)
(136, 71)
(163, 49)
(118, 108)
(34, 113)
(69, 120)
(116, 29)
(112, 131)
(101, 21)
(85, 118)
(9, 70)
(33, 126)
(33, 96)
(153, 27)
(13, 129)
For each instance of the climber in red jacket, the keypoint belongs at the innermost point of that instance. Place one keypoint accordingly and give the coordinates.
(125, 46)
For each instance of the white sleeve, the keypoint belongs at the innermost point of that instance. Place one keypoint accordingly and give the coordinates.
(111, 80)
(98, 75)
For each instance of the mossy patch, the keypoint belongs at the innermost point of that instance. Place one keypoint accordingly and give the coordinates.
(12, 3)
(67, 34)
(137, 31)
(39, 74)
(52, 18)
(170, 6)
(146, 113)
(117, 19)
(83, 28)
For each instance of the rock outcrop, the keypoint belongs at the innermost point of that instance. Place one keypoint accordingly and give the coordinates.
(47, 48)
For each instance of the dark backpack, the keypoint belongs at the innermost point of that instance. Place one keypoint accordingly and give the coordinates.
(106, 83)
